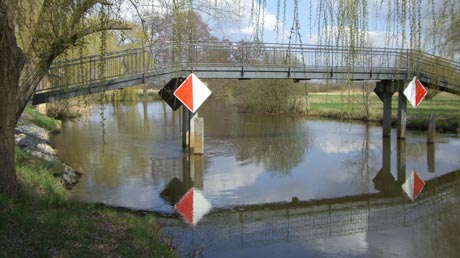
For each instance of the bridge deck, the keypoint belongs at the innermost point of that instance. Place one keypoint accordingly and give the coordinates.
(154, 64)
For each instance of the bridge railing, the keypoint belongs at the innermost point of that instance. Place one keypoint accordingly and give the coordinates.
(142, 61)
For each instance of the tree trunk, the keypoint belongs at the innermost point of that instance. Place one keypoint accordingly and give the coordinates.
(11, 64)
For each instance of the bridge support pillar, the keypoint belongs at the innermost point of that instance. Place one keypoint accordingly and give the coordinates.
(385, 91)
(186, 116)
(402, 111)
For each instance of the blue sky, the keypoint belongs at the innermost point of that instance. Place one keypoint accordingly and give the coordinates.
(231, 19)
(308, 21)
(381, 33)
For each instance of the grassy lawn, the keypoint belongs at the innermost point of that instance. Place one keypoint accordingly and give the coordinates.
(43, 222)
(346, 105)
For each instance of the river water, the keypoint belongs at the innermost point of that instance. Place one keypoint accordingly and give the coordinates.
(278, 185)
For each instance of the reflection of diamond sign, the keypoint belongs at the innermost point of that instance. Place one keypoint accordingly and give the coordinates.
(193, 206)
(413, 185)
(167, 93)
(192, 93)
(415, 92)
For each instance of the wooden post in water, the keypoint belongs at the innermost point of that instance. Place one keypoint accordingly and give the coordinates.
(198, 135)
(430, 157)
(198, 166)
(431, 134)
(430, 139)
(192, 131)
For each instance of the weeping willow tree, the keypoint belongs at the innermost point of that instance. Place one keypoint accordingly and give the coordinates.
(351, 23)
(36, 32)
(426, 28)
(33, 34)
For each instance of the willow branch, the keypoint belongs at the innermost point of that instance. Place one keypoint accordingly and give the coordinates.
(111, 25)
(39, 68)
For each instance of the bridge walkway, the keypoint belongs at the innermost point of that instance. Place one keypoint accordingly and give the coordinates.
(231, 60)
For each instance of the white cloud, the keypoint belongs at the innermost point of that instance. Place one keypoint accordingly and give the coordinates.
(224, 182)
(351, 245)
(376, 39)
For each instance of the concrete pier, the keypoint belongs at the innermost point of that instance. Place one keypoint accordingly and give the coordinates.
(385, 91)
(185, 127)
(402, 113)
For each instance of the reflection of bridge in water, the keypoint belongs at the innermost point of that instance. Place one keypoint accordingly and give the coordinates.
(261, 224)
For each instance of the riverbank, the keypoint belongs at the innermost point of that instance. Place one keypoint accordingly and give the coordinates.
(356, 101)
(351, 106)
(43, 222)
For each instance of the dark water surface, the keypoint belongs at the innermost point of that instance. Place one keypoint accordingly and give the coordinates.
(279, 186)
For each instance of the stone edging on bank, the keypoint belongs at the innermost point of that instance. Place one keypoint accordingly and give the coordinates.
(35, 140)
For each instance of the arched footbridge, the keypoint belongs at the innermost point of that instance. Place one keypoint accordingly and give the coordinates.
(231, 60)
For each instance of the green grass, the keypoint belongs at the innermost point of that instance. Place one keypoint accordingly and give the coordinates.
(445, 106)
(35, 117)
(43, 222)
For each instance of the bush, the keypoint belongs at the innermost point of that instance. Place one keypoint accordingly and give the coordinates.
(271, 96)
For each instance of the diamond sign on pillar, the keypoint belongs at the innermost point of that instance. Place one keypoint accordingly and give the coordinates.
(167, 93)
(415, 92)
(193, 206)
(192, 93)
(413, 185)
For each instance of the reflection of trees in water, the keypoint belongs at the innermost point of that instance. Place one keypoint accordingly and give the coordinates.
(276, 142)
(363, 164)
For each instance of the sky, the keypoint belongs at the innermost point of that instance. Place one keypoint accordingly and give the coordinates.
(381, 31)
(309, 23)
(235, 20)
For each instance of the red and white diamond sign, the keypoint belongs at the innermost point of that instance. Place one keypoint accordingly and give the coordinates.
(193, 206)
(413, 185)
(415, 92)
(192, 93)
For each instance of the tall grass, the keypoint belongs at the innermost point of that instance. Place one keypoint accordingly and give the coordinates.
(48, 123)
(445, 106)
(43, 222)
(353, 102)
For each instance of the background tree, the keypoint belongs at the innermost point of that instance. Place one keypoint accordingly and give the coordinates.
(444, 29)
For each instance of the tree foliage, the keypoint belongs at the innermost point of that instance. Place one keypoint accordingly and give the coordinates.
(34, 33)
